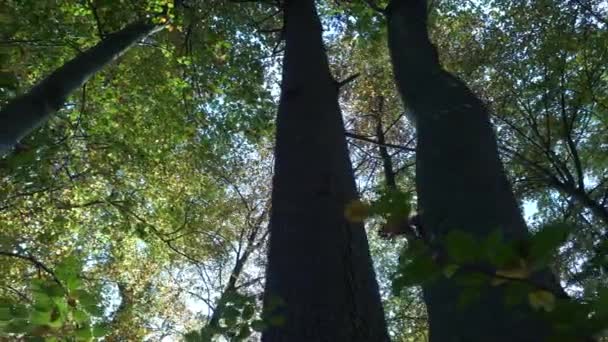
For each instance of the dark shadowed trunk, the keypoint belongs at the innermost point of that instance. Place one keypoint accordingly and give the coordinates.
(459, 177)
(320, 282)
(26, 112)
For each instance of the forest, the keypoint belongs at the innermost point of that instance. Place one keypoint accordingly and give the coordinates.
(301, 170)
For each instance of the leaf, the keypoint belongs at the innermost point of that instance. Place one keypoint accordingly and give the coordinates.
(542, 299)
(544, 244)
(516, 293)
(468, 297)
(230, 316)
(84, 334)
(461, 246)
(17, 326)
(80, 316)
(449, 270)
(258, 325)
(274, 302)
(94, 310)
(496, 281)
(499, 253)
(356, 211)
(19, 311)
(421, 269)
(520, 272)
(54, 290)
(277, 320)
(73, 284)
(244, 332)
(192, 336)
(85, 298)
(248, 312)
(5, 314)
(101, 330)
(394, 205)
(42, 302)
(68, 269)
(40, 317)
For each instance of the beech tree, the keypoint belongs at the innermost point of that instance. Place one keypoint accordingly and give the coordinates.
(320, 284)
(138, 210)
(25, 113)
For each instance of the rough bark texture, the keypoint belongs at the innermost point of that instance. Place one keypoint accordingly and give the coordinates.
(26, 112)
(460, 179)
(320, 278)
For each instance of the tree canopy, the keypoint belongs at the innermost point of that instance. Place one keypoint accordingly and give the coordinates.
(139, 209)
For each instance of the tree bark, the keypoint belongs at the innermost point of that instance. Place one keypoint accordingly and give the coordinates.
(28, 111)
(320, 280)
(460, 180)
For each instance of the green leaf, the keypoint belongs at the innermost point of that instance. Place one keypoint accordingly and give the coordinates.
(393, 204)
(244, 332)
(248, 312)
(20, 311)
(68, 269)
(420, 270)
(498, 253)
(94, 310)
(80, 316)
(600, 304)
(84, 334)
(17, 326)
(40, 317)
(230, 316)
(5, 314)
(101, 330)
(449, 270)
(274, 302)
(258, 325)
(468, 296)
(54, 290)
(85, 298)
(461, 246)
(544, 244)
(192, 336)
(277, 320)
(73, 284)
(516, 293)
(42, 302)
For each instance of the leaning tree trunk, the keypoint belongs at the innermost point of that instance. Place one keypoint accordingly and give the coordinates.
(459, 178)
(320, 283)
(28, 111)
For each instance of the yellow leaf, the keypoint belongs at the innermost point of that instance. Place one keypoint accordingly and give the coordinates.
(498, 281)
(542, 299)
(449, 270)
(356, 211)
(519, 272)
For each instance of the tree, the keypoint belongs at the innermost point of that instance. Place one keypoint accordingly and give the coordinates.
(320, 282)
(138, 201)
(460, 181)
(25, 113)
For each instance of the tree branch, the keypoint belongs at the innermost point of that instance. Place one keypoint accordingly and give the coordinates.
(36, 263)
(360, 137)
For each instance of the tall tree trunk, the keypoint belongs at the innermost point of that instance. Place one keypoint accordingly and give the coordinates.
(460, 180)
(320, 283)
(28, 111)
